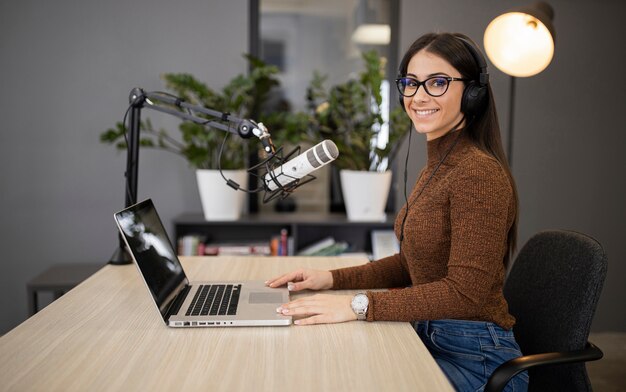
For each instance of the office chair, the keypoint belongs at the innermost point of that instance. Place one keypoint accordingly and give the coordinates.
(552, 290)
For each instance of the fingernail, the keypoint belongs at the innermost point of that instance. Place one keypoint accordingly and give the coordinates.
(290, 287)
(297, 322)
(285, 311)
(279, 309)
(266, 282)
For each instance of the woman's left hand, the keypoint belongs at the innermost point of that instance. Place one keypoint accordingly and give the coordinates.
(320, 309)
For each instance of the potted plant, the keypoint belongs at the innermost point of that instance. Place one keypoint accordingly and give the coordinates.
(243, 97)
(351, 115)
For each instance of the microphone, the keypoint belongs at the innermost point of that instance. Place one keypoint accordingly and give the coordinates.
(312, 159)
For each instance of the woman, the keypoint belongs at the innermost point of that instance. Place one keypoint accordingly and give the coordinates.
(456, 231)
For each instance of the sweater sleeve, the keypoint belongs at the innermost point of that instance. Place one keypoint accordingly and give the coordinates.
(480, 217)
(384, 273)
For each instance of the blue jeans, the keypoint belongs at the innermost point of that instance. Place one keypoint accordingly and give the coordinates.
(469, 351)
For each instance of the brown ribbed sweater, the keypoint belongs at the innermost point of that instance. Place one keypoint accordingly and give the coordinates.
(455, 239)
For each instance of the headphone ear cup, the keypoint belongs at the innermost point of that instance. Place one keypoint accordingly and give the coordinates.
(474, 99)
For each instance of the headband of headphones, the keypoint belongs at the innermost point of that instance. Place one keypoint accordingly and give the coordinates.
(483, 77)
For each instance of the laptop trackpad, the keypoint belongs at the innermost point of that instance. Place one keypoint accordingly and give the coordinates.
(265, 298)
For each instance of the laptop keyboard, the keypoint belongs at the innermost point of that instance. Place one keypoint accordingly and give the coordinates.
(214, 300)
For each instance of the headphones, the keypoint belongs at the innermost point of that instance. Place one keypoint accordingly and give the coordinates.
(474, 97)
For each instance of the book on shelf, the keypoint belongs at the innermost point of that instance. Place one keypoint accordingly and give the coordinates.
(282, 244)
(191, 245)
(195, 245)
(238, 249)
(325, 247)
(316, 246)
(335, 249)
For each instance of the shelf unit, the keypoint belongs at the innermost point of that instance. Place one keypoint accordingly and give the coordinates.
(304, 228)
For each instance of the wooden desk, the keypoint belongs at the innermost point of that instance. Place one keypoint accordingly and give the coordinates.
(106, 334)
(59, 279)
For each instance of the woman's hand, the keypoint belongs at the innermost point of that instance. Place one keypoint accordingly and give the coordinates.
(320, 309)
(304, 279)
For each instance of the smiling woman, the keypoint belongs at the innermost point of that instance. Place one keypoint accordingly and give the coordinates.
(456, 230)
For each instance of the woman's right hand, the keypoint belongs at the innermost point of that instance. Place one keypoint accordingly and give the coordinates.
(303, 279)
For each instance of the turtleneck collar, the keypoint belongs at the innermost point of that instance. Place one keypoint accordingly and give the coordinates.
(438, 148)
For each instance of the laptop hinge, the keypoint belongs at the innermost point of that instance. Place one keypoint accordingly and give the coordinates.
(177, 302)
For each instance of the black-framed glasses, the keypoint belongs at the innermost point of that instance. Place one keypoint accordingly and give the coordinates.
(435, 86)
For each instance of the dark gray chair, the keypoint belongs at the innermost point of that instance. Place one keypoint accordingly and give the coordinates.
(552, 290)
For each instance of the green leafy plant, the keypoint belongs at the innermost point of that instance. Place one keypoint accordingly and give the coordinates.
(350, 114)
(243, 97)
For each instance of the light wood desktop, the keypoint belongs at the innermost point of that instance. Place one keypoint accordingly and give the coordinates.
(106, 334)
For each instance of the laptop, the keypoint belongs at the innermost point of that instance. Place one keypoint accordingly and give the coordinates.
(192, 304)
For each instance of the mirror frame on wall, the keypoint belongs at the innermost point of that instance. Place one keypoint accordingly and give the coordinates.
(254, 48)
(254, 34)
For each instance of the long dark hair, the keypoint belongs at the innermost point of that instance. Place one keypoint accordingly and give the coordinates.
(482, 127)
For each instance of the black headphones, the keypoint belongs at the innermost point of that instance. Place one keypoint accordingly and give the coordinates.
(475, 94)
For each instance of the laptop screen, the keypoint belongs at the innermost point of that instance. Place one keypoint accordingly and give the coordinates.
(153, 252)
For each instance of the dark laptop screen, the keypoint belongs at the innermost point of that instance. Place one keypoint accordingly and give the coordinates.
(153, 251)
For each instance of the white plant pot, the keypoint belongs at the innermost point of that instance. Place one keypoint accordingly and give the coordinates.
(219, 201)
(365, 194)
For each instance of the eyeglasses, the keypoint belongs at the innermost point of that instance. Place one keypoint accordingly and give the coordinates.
(435, 86)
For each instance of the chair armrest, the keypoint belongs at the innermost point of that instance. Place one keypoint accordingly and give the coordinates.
(505, 372)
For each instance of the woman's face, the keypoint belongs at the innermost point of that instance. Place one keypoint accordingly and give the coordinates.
(434, 116)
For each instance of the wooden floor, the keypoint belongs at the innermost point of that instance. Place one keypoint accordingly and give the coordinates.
(609, 373)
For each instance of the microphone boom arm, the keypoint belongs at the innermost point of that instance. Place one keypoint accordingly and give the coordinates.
(139, 99)
(245, 128)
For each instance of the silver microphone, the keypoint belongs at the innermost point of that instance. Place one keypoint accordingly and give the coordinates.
(312, 159)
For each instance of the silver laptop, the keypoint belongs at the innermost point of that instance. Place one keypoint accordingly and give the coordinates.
(192, 304)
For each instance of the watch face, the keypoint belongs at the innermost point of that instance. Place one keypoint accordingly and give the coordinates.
(360, 301)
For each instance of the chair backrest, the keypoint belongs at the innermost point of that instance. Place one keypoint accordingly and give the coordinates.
(552, 290)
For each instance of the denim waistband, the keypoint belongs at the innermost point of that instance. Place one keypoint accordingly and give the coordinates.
(463, 327)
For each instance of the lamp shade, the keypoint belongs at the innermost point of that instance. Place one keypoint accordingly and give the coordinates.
(521, 42)
(371, 21)
(372, 34)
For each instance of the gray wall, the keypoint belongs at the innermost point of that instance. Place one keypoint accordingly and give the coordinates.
(67, 67)
(66, 70)
(570, 136)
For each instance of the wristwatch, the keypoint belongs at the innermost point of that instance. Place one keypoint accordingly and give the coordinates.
(359, 304)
